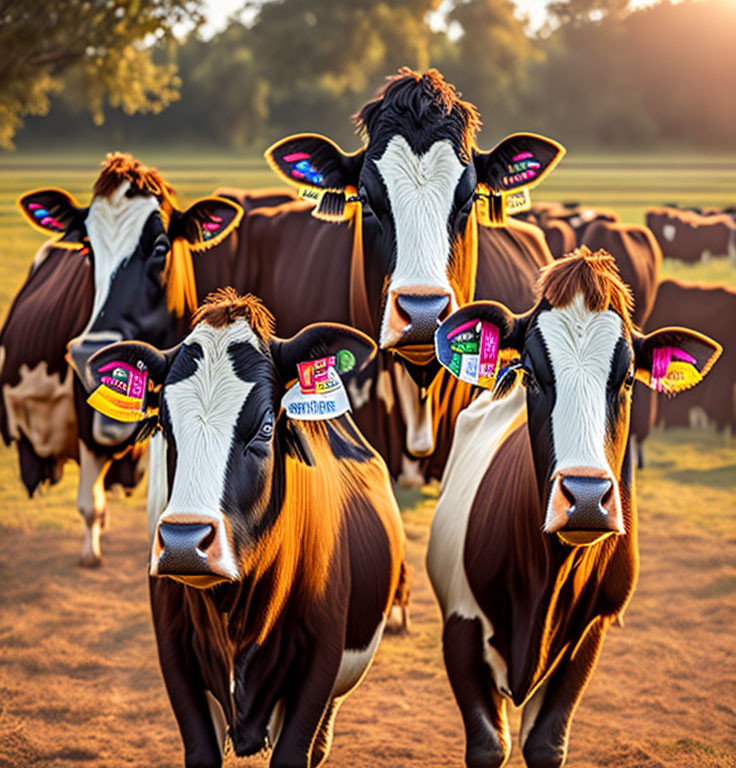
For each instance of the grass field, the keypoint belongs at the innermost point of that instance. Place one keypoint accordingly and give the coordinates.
(79, 681)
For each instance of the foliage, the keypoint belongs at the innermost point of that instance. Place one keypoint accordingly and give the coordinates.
(109, 42)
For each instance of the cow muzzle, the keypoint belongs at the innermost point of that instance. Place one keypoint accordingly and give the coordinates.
(584, 507)
(193, 549)
(413, 316)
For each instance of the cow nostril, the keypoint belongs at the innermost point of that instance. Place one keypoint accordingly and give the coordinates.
(567, 493)
(207, 540)
(607, 497)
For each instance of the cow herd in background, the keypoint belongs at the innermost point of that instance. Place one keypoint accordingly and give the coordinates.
(410, 271)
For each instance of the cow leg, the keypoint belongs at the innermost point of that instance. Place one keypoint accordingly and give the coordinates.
(546, 727)
(92, 502)
(183, 679)
(307, 706)
(323, 740)
(482, 707)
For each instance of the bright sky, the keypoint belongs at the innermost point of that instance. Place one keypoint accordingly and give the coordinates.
(220, 11)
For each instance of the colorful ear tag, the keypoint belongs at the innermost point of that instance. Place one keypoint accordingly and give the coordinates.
(470, 352)
(121, 393)
(320, 393)
(673, 370)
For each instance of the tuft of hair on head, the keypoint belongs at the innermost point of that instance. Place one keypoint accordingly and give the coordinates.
(118, 167)
(595, 276)
(225, 306)
(422, 94)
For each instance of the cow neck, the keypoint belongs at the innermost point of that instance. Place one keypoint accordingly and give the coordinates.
(291, 558)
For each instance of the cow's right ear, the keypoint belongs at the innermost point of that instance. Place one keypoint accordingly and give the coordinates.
(325, 174)
(51, 211)
(478, 342)
(128, 377)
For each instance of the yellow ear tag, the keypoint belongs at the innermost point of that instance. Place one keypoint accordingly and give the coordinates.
(118, 407)
(121, 393)
(673, 370)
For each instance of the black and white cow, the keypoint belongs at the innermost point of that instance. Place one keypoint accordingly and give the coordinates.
(280, 540)
(533, 549)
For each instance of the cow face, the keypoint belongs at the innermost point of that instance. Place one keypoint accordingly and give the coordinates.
(141, 284)
(418, 175)
(225, 438)
(578, 356)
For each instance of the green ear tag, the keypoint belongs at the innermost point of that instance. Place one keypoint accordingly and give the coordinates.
(345, 361)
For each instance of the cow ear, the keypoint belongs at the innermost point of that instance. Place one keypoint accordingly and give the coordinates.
(352, 349)
(313, 363)
(509, 171)
(325, 174)
(52, 211)
(479, 343)
(128, 377)
(672, 360)
(206, 223)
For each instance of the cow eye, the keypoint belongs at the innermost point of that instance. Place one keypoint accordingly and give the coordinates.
(266, 430)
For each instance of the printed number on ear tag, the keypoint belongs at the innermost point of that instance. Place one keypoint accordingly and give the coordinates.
(121, 392)
(319, 393)
(673, 370)
(470, 352)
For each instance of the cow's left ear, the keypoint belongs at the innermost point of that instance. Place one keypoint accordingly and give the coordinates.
(128, 377)
(352, 349)
(509, 171)
(478, 343)
(672, 360)
(325, 174)
(206, 223)
(52, 211)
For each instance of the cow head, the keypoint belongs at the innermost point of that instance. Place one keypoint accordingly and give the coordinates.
(420, 175)
(219, 395)
(139, 245)
(578, 355)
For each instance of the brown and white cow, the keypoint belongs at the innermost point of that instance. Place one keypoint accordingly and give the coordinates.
(689, 236)
(278, 549)
(533, 548)
(111, 270)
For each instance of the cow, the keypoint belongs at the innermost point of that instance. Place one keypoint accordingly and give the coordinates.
(533, 545)
(639, 259)
(711, 308)
(388, 239)
(75, 280)
(691, 237)
(279, 544)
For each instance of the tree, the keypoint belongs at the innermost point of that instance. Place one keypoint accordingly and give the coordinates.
(117, 47)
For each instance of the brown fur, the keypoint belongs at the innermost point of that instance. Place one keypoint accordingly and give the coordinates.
(443, 94)
(595, 275)
(224, 306)
(121, 166)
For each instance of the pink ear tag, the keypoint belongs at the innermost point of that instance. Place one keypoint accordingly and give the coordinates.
(121, 392)
(474, 353)
(673, 370)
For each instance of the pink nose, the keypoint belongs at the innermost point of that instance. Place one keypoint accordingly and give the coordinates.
(193, 549)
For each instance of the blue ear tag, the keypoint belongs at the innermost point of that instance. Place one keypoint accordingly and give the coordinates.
(319, 394)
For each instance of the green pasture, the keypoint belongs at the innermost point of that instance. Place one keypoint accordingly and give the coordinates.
(685, 467)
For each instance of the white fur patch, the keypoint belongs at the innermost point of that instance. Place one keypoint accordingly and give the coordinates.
(668, 232)
(114, 227)
(420, 190)
(204, 409)
(580, 344)
(355, 663)
(158, 484)
(478, 433)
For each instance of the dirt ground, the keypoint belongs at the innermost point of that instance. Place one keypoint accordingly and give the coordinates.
(80, 684)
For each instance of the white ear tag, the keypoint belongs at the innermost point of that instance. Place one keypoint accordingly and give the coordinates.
(319, 394)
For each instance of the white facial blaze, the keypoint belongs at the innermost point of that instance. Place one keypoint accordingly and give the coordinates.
(420, 189)
(203, 410)
(580, 344)
(114, 227)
